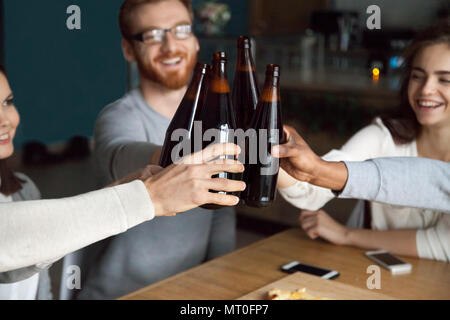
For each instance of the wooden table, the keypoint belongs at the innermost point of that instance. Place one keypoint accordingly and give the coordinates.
(245, 270)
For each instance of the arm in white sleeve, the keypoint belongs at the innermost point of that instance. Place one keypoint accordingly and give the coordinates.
(121, 145)
(434, 243)
(32, 232)
(412, 182)
(365, 144)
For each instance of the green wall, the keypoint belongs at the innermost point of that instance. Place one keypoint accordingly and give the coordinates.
(62, 78)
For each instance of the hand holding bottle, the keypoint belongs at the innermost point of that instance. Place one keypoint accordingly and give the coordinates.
(300, 162)
(262, 176)
(187, 184)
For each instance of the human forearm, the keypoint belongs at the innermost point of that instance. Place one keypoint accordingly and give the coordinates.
(302, 164)
(402, 242)
(306, 190)
(36, 231)
(330, 175)
(415, 182)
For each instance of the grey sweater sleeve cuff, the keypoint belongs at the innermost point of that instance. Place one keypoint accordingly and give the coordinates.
(359, 174)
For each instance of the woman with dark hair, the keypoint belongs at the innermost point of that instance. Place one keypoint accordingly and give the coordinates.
(421, 128)
(34, 234)
(10, 183)
(23, 283)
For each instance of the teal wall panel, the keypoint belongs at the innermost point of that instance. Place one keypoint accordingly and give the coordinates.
(62, 78)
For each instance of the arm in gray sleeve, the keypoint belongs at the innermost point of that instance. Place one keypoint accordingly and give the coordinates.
(121, 145)
(413, 182)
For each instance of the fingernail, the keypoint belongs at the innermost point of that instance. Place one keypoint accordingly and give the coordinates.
(244, 186)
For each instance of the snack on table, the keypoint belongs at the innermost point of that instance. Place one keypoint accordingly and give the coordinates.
(300, 294)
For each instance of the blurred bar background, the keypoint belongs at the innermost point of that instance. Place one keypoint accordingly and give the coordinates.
(62, 79)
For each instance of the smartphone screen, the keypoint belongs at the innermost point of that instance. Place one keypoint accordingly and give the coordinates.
(294, 267)
(387, 258)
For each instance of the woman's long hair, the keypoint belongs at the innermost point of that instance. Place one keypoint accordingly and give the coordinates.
(9, 183)
(403, 125)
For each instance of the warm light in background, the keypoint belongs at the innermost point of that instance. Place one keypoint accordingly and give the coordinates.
(376, 72)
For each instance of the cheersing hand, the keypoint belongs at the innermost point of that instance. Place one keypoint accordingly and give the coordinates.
(186, 184)
(300, 162)
(297, 158)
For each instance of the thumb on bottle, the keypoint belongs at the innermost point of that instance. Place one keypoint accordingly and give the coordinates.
(278, 151)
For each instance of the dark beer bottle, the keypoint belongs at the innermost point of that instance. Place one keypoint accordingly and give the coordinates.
(245, 93)
(187, 112)
(245, 87)
(261, 168)
(217, 115)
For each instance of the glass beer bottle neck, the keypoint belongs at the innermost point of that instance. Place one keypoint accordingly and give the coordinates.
(271, 91)
(245, 61)
(219, 82)
(197, 82)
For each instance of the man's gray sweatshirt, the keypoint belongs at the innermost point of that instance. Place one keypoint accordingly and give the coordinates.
(126, 134)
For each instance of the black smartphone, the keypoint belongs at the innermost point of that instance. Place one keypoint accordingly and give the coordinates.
(296, 266)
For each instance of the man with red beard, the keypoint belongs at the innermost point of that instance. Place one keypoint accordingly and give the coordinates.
(129, 133)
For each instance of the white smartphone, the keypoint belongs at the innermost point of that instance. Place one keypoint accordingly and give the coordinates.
(389, 261)
(306, 268)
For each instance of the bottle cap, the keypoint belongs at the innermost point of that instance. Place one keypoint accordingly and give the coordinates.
(244, 42)
(202, 67)
(273, 69)
(220, 55)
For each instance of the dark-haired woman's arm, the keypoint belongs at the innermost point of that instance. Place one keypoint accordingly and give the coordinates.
(34, 232)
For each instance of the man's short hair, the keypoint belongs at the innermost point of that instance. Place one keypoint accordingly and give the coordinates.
(129, 6)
